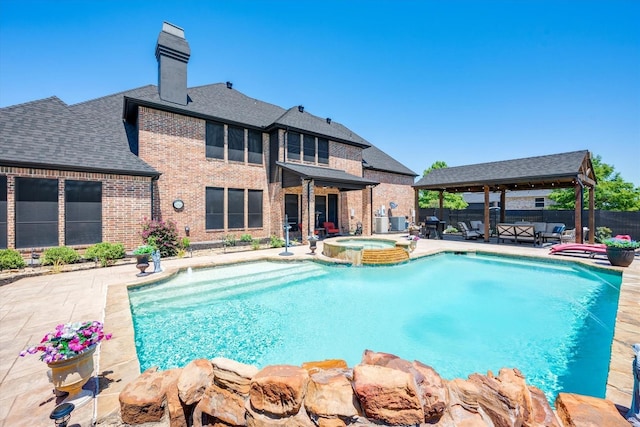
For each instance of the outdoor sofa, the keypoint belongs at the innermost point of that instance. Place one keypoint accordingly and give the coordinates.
(530, 232)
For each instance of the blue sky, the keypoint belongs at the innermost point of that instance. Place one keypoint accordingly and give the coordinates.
(460, 81)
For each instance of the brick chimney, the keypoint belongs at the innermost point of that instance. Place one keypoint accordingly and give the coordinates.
(172, 52)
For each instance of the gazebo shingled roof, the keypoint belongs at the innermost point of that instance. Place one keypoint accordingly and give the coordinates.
(551, 171)
(564, 170)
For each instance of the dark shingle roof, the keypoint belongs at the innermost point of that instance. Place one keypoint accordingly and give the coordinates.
(304, 121)
(216, 101)
(374, 158)
(541, 170)
(48, 133)
(333, 177)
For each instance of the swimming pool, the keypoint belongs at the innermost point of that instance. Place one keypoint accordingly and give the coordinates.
(458, 313)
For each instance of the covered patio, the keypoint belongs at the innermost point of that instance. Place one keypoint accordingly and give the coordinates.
(564, 170)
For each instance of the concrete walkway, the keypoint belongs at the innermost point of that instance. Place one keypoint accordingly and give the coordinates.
(32, 306)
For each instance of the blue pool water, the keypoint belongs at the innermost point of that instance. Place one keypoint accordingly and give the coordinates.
(458, 313)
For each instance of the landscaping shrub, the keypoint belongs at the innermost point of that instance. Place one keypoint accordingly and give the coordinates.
(60, 255)
(229, 240)
(602, 234)
(161, 234)
(255, 244)
(11, 259)
(276, 242)
(246, 238)
(107, 253)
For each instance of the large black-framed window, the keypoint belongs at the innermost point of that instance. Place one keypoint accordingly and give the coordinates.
(235, 208)
(235, 138)
(323, 151)
(214, 208)
(293, 146)
(255, 147)
(215, 140)
(309, 148)
(255, 208)
(83, 212)
(36, 212)
(3, 212)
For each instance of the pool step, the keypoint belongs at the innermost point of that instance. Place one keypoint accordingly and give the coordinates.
(192, 294)
(384, 256)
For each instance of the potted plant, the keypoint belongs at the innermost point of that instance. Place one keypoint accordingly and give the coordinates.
(68, 351)
(621, 252)
(142, 254)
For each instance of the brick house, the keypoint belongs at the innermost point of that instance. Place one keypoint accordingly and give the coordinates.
(209, 158)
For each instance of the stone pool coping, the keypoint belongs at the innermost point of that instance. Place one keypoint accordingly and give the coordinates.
(34, 305)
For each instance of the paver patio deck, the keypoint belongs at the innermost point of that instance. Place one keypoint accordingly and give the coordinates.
(32, 306)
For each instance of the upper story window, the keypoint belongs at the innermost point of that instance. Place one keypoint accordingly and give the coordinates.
(293, 146)
(238, 140)
(323, 151)
(309, 148)
(236, 144)
(215, 140)
(255, 147)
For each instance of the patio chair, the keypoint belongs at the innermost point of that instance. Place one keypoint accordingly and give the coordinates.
(478, 227)
(330, 228)
(466, 232)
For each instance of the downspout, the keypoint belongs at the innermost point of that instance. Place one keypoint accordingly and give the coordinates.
(153, 178)
(308, 206)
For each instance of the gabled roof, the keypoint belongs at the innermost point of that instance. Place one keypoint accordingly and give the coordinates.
(302, 121)
(375, 159)
(213, 101)
(48, 134)
(551, 171)
(327, 177)
(218, 102)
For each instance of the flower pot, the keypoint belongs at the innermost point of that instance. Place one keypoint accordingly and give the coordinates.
(620, 257)
(142, 264)
(313, 245)
(71, 374)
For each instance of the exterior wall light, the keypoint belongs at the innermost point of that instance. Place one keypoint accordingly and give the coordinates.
(178, 204)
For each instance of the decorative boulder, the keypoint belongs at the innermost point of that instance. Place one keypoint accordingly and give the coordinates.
(145, 399)
(279, 389)
(388, 395)
(194, 380)
(222, 404)
(232, 375)
(330, 395)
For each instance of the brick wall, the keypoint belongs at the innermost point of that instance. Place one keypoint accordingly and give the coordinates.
(392, 188)
(175, 146)
(125, 203)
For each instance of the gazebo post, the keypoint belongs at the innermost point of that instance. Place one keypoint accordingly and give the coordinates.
(503, 205)
(486, 213)
(441, 199)
(578, 211)
(592, 218)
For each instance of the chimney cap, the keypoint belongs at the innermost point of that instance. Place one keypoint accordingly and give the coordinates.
(168, 27)
(301, 108)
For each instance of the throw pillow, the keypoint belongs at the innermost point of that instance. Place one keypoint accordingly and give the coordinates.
(558, 229)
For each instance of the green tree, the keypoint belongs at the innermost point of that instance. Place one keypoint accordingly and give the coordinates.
(431, 199)
(612, 193)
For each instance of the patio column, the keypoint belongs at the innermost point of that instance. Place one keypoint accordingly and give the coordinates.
(441, 200)
(503, 205)
(486, 213)
(308, 209)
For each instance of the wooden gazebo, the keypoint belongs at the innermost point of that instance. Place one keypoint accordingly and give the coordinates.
(564, 170)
